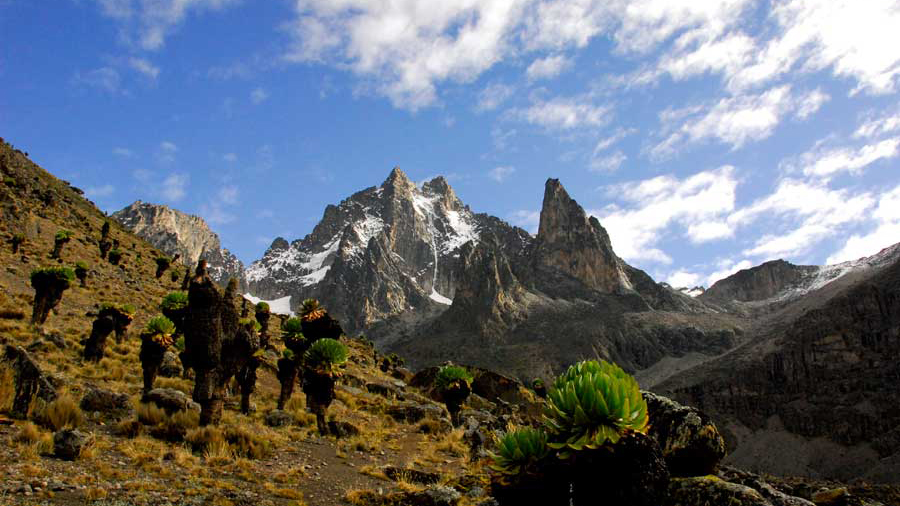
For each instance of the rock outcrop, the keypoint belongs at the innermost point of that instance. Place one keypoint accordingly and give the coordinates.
(177, 233)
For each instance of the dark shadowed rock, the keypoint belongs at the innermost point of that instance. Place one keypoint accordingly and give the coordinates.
(30, 382)
(170, 400)
(688, 438)
(69, 443)
(630, 473)
(713, 491)
(279, 418)
(103, 400)
(411, 475)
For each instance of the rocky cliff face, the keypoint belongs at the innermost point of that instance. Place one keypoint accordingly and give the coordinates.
(817, 378)
(760, 282)
(175, 232)
(382, 252)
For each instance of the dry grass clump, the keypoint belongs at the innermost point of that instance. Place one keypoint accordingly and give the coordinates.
(60, 414)
(32, 442)
(161, 425)
(7, 388)
(221, 446)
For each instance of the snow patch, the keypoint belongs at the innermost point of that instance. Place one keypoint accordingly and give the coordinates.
(440, 299)
(278, 306)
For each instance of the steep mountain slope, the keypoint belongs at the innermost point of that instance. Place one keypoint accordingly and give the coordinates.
(382, 252)
(565, 296)
(175, 232)
(818, 376)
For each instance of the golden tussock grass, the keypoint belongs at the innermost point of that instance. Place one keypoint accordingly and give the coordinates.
(63, 412)
(7, 388)
(32, 442)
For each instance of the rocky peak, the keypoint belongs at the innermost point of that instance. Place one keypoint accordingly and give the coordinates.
(280, 243)
(398, 182)
(174, 232)
(575, 244)
(761, 282)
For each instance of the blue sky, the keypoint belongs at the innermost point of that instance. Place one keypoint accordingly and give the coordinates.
(706, 136)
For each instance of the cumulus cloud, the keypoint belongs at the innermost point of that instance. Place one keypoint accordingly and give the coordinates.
(651, 207)
(884, 233)
(258, 96)
(147, 23)
(823, 161)
(166, 152)
(566, 113)
(607, 163)
(499, 174)
(145, 67)
(174, 186)
(549, 67)
(734, 121)
(492, 96)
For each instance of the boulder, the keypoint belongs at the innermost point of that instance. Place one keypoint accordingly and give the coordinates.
(171, 400)
(712, 490)
(29, 380)
(412, 412)
(411, 475)
(342, 429)
(69, 443)
(630, 473)
(103, 400)
(383, 389)
(279, 418)
(171, 366)
(773, 495)
(689, 440)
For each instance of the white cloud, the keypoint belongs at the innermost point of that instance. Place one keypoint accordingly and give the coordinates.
(230, 157)
(732, 120)
(147, 23)
(123, 152)
(258, 96)
(885, 232)
(228, 194)
(215, 214)
(527, 219)
(144, 66)
(492, 96)
(652, 206)
(501, 138)
(808, 105)
(174, 186)
(874, 127)
(549, 67)
(142, 175)
(681, 279)
(166, 152)
(823, 162)
(95, 192)
(105, 79)
(606, 142)
(499, 174)
(800, 214)
(607, 163)
(565, 113)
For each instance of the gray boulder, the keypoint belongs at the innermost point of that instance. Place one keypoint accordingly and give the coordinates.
(690, 441)
(103, 400)
(69, 443)
(171, 400)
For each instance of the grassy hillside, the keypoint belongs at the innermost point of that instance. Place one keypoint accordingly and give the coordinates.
(130, 462)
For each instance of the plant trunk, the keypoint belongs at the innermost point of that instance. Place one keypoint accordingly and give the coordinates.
(246, 378)
(95, 346)
(287, 376)
(105, 246)
(44, 300)
(151, 355)
(319, 390)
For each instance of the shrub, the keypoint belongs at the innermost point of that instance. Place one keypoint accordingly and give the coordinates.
(61, 413)
(292, 331)
(179, 344)
(124, 309)
(251, 323)
(520, 451)
(63, 235)
(450, 374)
(311, 310)
(115, 256)
(47, 275)
(262, 307)
(593, 403)
(174, 301)
(325, 354)
(81, 264)
(161, 328)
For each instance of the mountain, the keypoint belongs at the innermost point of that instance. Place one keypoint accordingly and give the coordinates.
(177, 233)
(563, 295)
(817, 379)
(382, 252)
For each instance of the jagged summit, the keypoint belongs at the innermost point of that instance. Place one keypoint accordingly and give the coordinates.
(572, 242)
(175, 232)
